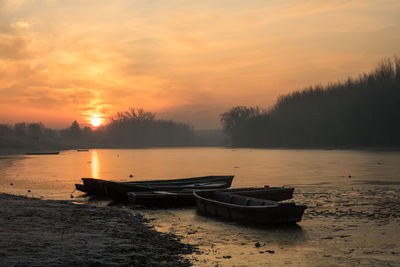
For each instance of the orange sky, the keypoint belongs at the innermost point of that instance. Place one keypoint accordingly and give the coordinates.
(184, 60)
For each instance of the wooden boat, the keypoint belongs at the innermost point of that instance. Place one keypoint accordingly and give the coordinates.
(80, 187)
(93, 186)
(186, 197)
(82, 150)
(43, 153)
(118, 191)
(247, 209)
(266, 192)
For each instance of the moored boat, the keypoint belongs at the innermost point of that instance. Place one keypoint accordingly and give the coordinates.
(186, 197)
(266, 192)
(247, 209)
(118, 191)
(43, 153)
(93, 186)
(80, 187)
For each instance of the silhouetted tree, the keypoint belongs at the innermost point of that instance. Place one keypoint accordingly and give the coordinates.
(356, 112)
(139, 128)
(237, 120)
(87, 133)
(35, 130)
(20, 129)
(5, 130)
(134, 115)
(75, 130)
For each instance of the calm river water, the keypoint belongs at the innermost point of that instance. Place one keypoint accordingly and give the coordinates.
(353, 199)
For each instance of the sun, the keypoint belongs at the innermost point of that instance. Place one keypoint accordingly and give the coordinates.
(96, 121)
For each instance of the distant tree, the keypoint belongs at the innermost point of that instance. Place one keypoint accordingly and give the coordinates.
(356, 112)
(138, 128)
(20, 129)
(35, 130)
(75, 130)
(49, 133)
(87, 133)
(5, 130)
(236, 120)
(134, 115)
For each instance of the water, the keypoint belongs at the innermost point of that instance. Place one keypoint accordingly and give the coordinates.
(54, 176)
(353, 199)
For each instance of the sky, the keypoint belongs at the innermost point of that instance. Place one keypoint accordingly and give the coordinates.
(189, 61)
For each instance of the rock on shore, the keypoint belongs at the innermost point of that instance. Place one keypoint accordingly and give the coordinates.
(38, 232)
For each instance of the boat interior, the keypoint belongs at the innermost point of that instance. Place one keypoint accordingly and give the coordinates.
(238, 199)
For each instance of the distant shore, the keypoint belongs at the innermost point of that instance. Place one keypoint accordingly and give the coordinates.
(38, 232)
(23, 151)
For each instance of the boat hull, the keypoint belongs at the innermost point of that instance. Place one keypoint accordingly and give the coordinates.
(186, 198)
(100, 187)
(43, 153)
(119, 191)
(246, 209)
(80, 187)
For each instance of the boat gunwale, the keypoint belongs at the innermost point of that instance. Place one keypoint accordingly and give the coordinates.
(188, 192)
(166, 182)
(237, 206)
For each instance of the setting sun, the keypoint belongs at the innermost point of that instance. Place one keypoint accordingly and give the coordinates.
(96, 121)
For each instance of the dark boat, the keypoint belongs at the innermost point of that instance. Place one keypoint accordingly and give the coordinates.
(118, 191)
(186, 197)
(94, 186)
(43, 153)
(82, 150)
(266, 192)
(247, 209)
(80, 187)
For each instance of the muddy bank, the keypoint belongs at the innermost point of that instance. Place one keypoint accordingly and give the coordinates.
(36, 232)
(346, 224)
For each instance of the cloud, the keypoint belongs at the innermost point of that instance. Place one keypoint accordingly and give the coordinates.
(14, 47)
(190, 62)
(20, 25)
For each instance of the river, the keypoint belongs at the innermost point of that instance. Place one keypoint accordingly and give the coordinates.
(352, 198)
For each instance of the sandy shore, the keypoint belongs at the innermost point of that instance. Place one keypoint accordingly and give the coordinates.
(38, 232)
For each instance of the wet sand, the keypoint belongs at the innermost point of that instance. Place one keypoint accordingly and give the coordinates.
(353, 224)
(36, 232)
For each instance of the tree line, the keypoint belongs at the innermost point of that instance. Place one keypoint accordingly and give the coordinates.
(132, 128)
(137, 128)
(356, 112)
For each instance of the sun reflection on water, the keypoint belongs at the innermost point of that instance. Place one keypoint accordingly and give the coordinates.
(95, 164)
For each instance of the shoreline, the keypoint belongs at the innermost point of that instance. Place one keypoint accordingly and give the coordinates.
(39, 232)
(22, 151)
